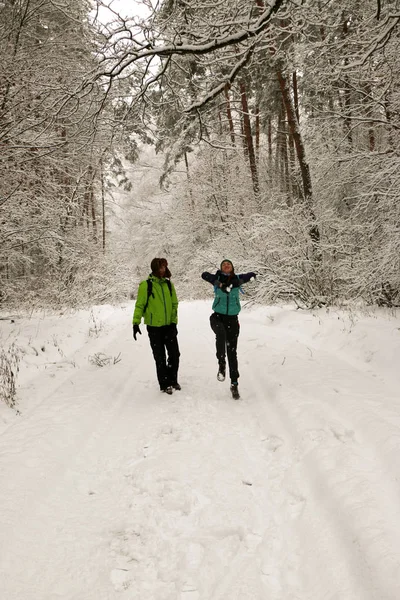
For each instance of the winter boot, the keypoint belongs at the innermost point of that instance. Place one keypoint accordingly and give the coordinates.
(221, 373)
(176, 386)
(235, 391)
(168, 390)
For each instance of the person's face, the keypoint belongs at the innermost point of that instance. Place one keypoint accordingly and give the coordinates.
(226, 267)
(162, 269)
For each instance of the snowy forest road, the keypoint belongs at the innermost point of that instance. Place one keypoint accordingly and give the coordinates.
(111, 490)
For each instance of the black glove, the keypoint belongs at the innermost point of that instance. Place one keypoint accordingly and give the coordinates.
(136, 330)
(174, 328)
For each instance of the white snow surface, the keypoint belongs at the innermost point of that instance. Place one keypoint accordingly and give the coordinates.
(111, 490)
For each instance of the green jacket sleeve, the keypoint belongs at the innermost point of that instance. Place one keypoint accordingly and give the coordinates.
(174, 298)
(140, 303)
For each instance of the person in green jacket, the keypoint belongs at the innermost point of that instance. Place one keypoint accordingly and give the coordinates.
(157, 303)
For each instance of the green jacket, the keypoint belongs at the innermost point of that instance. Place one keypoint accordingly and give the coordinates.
(162, 308)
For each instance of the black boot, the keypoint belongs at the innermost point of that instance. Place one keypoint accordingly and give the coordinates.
(221, 373)
(235, 391)
(168, 390)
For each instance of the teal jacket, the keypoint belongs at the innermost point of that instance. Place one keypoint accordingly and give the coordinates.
(162, 308)
(226, 304)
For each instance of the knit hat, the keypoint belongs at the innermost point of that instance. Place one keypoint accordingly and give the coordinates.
(229, 261)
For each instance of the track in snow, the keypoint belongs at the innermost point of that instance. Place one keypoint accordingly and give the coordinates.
(111, 490)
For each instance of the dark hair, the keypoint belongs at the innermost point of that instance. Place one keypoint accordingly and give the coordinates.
(155, 265)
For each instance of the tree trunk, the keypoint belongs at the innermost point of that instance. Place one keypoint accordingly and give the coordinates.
(296, 96)
(85, 208)
(270, 147)
(249, 140)
(347, 98)
(93, 213)
(188, 178)
(257, 133)
(285, 164)
(388, 115)
(243, 136)
(103, 207)
(229, 113)
(292, 166)
(300, 152)
(369, 112)
(278, 154)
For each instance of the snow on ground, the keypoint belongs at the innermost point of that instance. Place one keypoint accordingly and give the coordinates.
(111, 490)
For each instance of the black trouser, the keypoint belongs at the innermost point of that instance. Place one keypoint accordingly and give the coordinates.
(226, 329)
(161, 339)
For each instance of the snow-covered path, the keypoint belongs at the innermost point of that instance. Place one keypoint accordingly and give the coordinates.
(112, 490)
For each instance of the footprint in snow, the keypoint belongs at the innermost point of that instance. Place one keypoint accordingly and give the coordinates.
(315, 435)
(347, 435)
(273, 442)
(124, 547)
(189, 592)
(120, 578)
(296, 504)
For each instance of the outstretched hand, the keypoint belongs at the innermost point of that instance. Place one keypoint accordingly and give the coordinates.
(136, 330)
(247, 277)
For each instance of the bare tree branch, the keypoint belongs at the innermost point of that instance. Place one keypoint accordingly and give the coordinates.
(241, 36)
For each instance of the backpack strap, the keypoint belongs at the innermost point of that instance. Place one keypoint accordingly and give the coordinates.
(149, 293)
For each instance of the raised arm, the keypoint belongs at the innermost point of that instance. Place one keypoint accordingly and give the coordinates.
(209, 277)
(244, 278)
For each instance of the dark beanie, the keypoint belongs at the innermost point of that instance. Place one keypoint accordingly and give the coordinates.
(227, 260)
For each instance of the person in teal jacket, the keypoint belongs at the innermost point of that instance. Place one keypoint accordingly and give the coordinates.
(157, 304)
(224, 320)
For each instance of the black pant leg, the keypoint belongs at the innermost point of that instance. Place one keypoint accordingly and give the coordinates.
(157, 343)
(171, 344)
(220, 337)
(232, 333)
